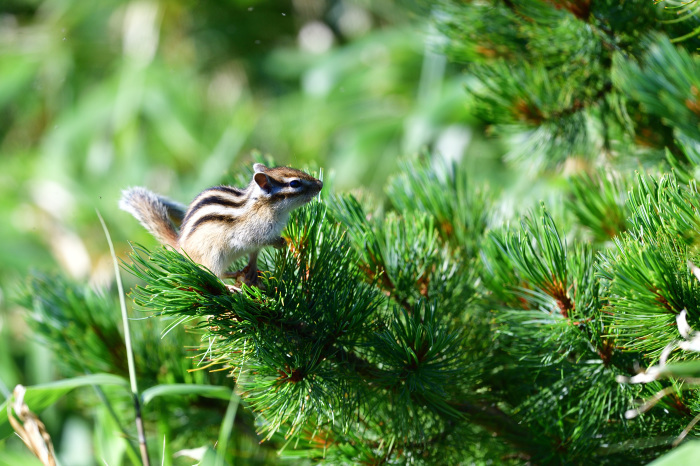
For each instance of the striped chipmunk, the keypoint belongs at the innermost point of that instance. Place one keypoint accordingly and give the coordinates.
(224, 223)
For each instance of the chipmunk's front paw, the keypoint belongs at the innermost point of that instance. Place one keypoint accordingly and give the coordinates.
(247, 275)
(233, 288)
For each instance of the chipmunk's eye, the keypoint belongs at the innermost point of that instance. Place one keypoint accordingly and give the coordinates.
(294, 183)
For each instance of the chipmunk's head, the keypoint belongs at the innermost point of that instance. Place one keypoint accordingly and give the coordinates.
(285, 188)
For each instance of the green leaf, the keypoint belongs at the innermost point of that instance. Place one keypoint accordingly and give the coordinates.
(226, 430)
(688, 453)
(210, 458)
(682, 369)
(41, 396)
(178, 389)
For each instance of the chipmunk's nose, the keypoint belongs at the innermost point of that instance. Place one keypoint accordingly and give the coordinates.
(319, 183)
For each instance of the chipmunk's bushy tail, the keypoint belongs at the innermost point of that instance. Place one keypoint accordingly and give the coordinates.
(154, 212)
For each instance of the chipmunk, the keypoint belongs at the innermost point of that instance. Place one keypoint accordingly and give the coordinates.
(224, 223)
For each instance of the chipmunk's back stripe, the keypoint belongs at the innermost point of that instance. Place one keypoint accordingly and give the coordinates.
(213, 218)
(218, 200)
(228, 189)
(213, 200)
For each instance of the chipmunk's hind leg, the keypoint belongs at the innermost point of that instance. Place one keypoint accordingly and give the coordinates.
(251, 270)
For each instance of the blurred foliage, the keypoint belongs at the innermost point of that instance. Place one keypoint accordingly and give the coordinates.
(96, 97)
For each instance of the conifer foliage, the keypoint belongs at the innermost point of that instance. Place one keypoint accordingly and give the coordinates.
(578, 78)
(379, 337)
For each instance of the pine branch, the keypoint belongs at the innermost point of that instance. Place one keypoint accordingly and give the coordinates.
(572, 95)
(315, 343)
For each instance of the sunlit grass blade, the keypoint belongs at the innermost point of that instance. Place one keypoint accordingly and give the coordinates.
(129, 349)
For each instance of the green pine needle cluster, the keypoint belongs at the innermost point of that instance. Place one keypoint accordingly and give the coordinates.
(646, 272)
(598, 201)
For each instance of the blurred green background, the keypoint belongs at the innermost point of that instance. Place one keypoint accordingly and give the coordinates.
(180, 95)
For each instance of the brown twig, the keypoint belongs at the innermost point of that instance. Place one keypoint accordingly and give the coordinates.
(492, 419)
(30, 428)
(141, 432)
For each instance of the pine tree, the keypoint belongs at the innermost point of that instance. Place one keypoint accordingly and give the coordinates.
(425, 329)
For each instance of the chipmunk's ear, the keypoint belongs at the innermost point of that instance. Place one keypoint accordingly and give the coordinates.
(263, 181)
(259, 168)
